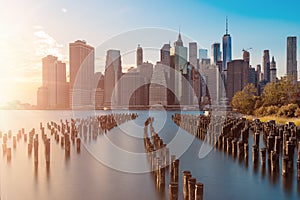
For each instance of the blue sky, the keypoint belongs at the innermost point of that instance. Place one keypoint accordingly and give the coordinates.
(32, 29)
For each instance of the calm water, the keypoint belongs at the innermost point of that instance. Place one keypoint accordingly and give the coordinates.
(104, 168)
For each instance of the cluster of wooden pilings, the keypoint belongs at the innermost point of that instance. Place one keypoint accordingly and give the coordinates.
(107, 122)
(282, 139)
(6, 137)
(231, 135)
(65, 132)
(160, 161)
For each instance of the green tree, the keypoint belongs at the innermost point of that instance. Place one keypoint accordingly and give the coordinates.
(244, 101)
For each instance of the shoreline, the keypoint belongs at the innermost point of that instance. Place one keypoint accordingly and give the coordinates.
(278, 120)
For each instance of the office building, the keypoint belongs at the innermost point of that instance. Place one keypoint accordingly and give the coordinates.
(113, 72)
(158, 88)
(273, 71)
(291, 58)
(266, 66)
(180, 65)
(53, 93)
(82, 66)
(193, 58)
(226, 48)
(139, 55)
(215, 53)
(202, 54)
(237, 77)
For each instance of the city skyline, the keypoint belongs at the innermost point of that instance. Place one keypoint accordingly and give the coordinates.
(47, 28)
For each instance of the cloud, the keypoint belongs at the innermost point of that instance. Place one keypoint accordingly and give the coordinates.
(64, 10)
(46, 45)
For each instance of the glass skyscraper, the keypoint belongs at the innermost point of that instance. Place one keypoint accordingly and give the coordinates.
(226, 47)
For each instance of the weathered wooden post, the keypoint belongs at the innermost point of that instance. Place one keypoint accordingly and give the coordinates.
(199, 190)
(191, 186)
(173, 191)
(186, 175)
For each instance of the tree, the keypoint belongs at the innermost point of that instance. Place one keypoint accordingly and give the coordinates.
(244, 101)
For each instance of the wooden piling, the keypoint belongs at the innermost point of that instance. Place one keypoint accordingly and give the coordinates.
(191, 187)
(199, 190)
(173, 191)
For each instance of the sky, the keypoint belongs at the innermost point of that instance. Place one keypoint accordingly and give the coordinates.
(32, 29)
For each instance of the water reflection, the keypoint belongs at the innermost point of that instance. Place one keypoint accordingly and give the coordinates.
(255, 166)
(263, 170)
(287, 183)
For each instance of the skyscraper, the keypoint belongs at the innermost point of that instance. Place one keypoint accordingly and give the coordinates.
(215, 53)
(158, 93)
(246, 56)
(226, 48)
(139, 55)
(180, 64)
(53, 93)
(165, 54)
(237, 77)
(266, 66)
(291, 58)
(259, 74)
(252, 77)
(193, 54)
(113, 72)
(273, 70)
(82, 67)
(202, 54)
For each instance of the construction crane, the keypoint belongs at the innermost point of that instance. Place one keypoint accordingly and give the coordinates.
(247, 49)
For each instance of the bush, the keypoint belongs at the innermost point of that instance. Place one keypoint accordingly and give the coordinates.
(272, 110)
(288, 110)
(260, 112)
(297, 112)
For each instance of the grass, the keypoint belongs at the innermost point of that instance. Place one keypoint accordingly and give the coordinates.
(279, 120)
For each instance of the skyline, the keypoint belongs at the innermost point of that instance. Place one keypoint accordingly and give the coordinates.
(48, 27)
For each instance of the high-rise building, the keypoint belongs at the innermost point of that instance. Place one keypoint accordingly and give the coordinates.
(252, 78)
(226, 48)
(165, 54)
(291, 58)
(237, 77)
(259, 74)
(215, 53)
(139, 55)
(132, 89)
(99, 92)
(82, 67)
(209, 77)
(113, 72)
(246, 56)
(158, 93)
(180, 65)
(266, 66)
(202, 54)
(146, 70)
(193, 54)
(273, 71)
(53, 93)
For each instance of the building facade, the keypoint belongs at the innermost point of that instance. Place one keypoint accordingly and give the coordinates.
(266, 66)
(237, 77)
(273, 71)
(291, 58)
(113, 72)
(82, 67)
(226, 48)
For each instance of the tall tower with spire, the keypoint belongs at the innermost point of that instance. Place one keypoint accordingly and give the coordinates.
(273, 70)
(180, 64)
(139, 55)
(227, 55)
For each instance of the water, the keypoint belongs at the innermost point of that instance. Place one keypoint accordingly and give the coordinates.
(100, 172)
